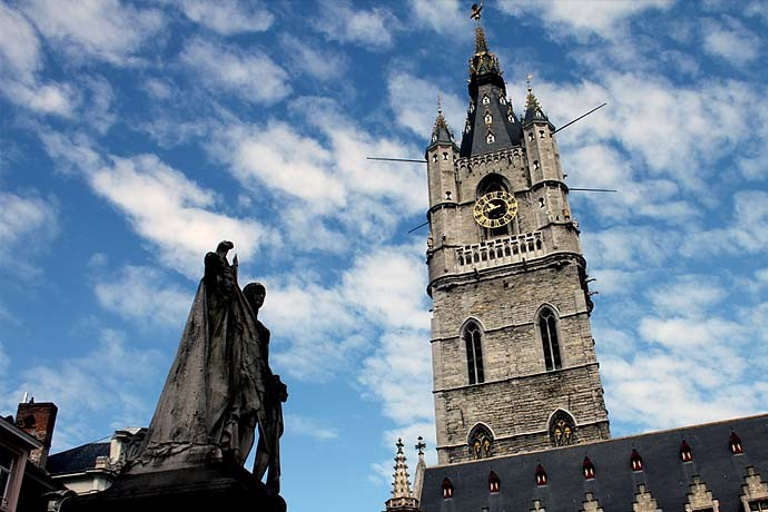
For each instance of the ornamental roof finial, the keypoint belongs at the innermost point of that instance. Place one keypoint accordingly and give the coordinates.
(476, 11)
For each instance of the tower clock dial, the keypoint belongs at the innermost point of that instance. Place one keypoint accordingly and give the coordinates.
(495, 209)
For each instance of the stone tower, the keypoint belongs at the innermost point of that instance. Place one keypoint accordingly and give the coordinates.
(512, 349)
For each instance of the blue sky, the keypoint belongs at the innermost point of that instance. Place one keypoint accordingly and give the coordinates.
(136, 135)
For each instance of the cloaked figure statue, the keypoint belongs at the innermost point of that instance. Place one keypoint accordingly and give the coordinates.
(220, 390)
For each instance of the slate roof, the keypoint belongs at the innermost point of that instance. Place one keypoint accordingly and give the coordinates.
(664, 475)
(76, 460)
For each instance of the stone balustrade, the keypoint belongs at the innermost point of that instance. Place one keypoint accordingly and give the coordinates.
(500, 251)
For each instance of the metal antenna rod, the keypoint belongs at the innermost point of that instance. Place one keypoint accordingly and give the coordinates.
(417, 227)
(395, 159)
(592, 189)
(579, 118)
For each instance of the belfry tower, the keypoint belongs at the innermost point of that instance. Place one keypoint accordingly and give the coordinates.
(512, 349)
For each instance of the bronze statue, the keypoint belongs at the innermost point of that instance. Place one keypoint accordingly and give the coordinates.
(220, 388)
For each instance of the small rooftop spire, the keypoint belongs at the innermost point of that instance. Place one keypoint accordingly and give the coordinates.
(402, 497)
(533, 109)
(441, 132)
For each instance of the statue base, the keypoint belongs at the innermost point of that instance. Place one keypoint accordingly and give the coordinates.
(213, 486)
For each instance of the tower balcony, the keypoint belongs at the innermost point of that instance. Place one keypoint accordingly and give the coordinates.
(500, 251)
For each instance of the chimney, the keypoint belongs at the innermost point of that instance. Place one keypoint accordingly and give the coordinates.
(38, 420)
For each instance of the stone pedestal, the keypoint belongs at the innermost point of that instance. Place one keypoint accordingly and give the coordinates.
(213, 486)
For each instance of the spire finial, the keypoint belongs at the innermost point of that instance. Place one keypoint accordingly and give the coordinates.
(528, 79)
(439, 104)
(399, 445)
(476, 11)
(420, 446)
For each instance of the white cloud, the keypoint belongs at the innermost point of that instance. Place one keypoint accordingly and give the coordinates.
(318, 63)
(339, 192)
(310, 427)
(159, 88)
(102, 29)
(227, 17)
(99, 112)
(688, 362)
(414, 103)
(251, 75)
(316, 332)
(746, 233)
(670, 121)
(396, 303)
(449, 19)
(731, 41)
(371, 28)
(19, 45)
(163, 206)
(267, 157)
(582, 18)
(112, 381)
(629, 247)
(320, 330)
(21, 62)
(144, 295)
(688, 296)
(27, 225)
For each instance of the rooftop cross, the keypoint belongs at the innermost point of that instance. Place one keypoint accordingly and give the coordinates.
(420, 446)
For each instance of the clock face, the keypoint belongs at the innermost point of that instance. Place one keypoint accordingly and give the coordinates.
(495, 209)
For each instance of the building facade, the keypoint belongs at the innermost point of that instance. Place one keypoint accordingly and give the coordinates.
(521, 422)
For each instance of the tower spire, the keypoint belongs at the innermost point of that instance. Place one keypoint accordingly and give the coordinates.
(491, 123)
(441, 132)
(533, 111)
(402, 498)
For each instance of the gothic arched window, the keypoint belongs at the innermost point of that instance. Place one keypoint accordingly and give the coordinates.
(550, 340)
(481, 442)
(473, 340)
(561, 429)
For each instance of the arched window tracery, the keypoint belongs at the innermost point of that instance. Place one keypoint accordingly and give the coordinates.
(562, 429)
(547, 323)
(481, 442)
(473, 341)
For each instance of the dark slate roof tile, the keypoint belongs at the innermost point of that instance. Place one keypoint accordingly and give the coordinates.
(76, 460)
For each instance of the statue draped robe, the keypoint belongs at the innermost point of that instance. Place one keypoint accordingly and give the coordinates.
(214, 396)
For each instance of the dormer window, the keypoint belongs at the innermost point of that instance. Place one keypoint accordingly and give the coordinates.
(686, 455)
(447, 489)
(511, 118)
(636, 461)
(434, 137)
(735, 443)
(494, 484)
(490, 138)
(486, 100)
(541, 475)
(588, 468)
(488, 118)
(503, 100)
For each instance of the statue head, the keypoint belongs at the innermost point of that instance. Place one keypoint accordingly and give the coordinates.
(224, 247)
(255, 294)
